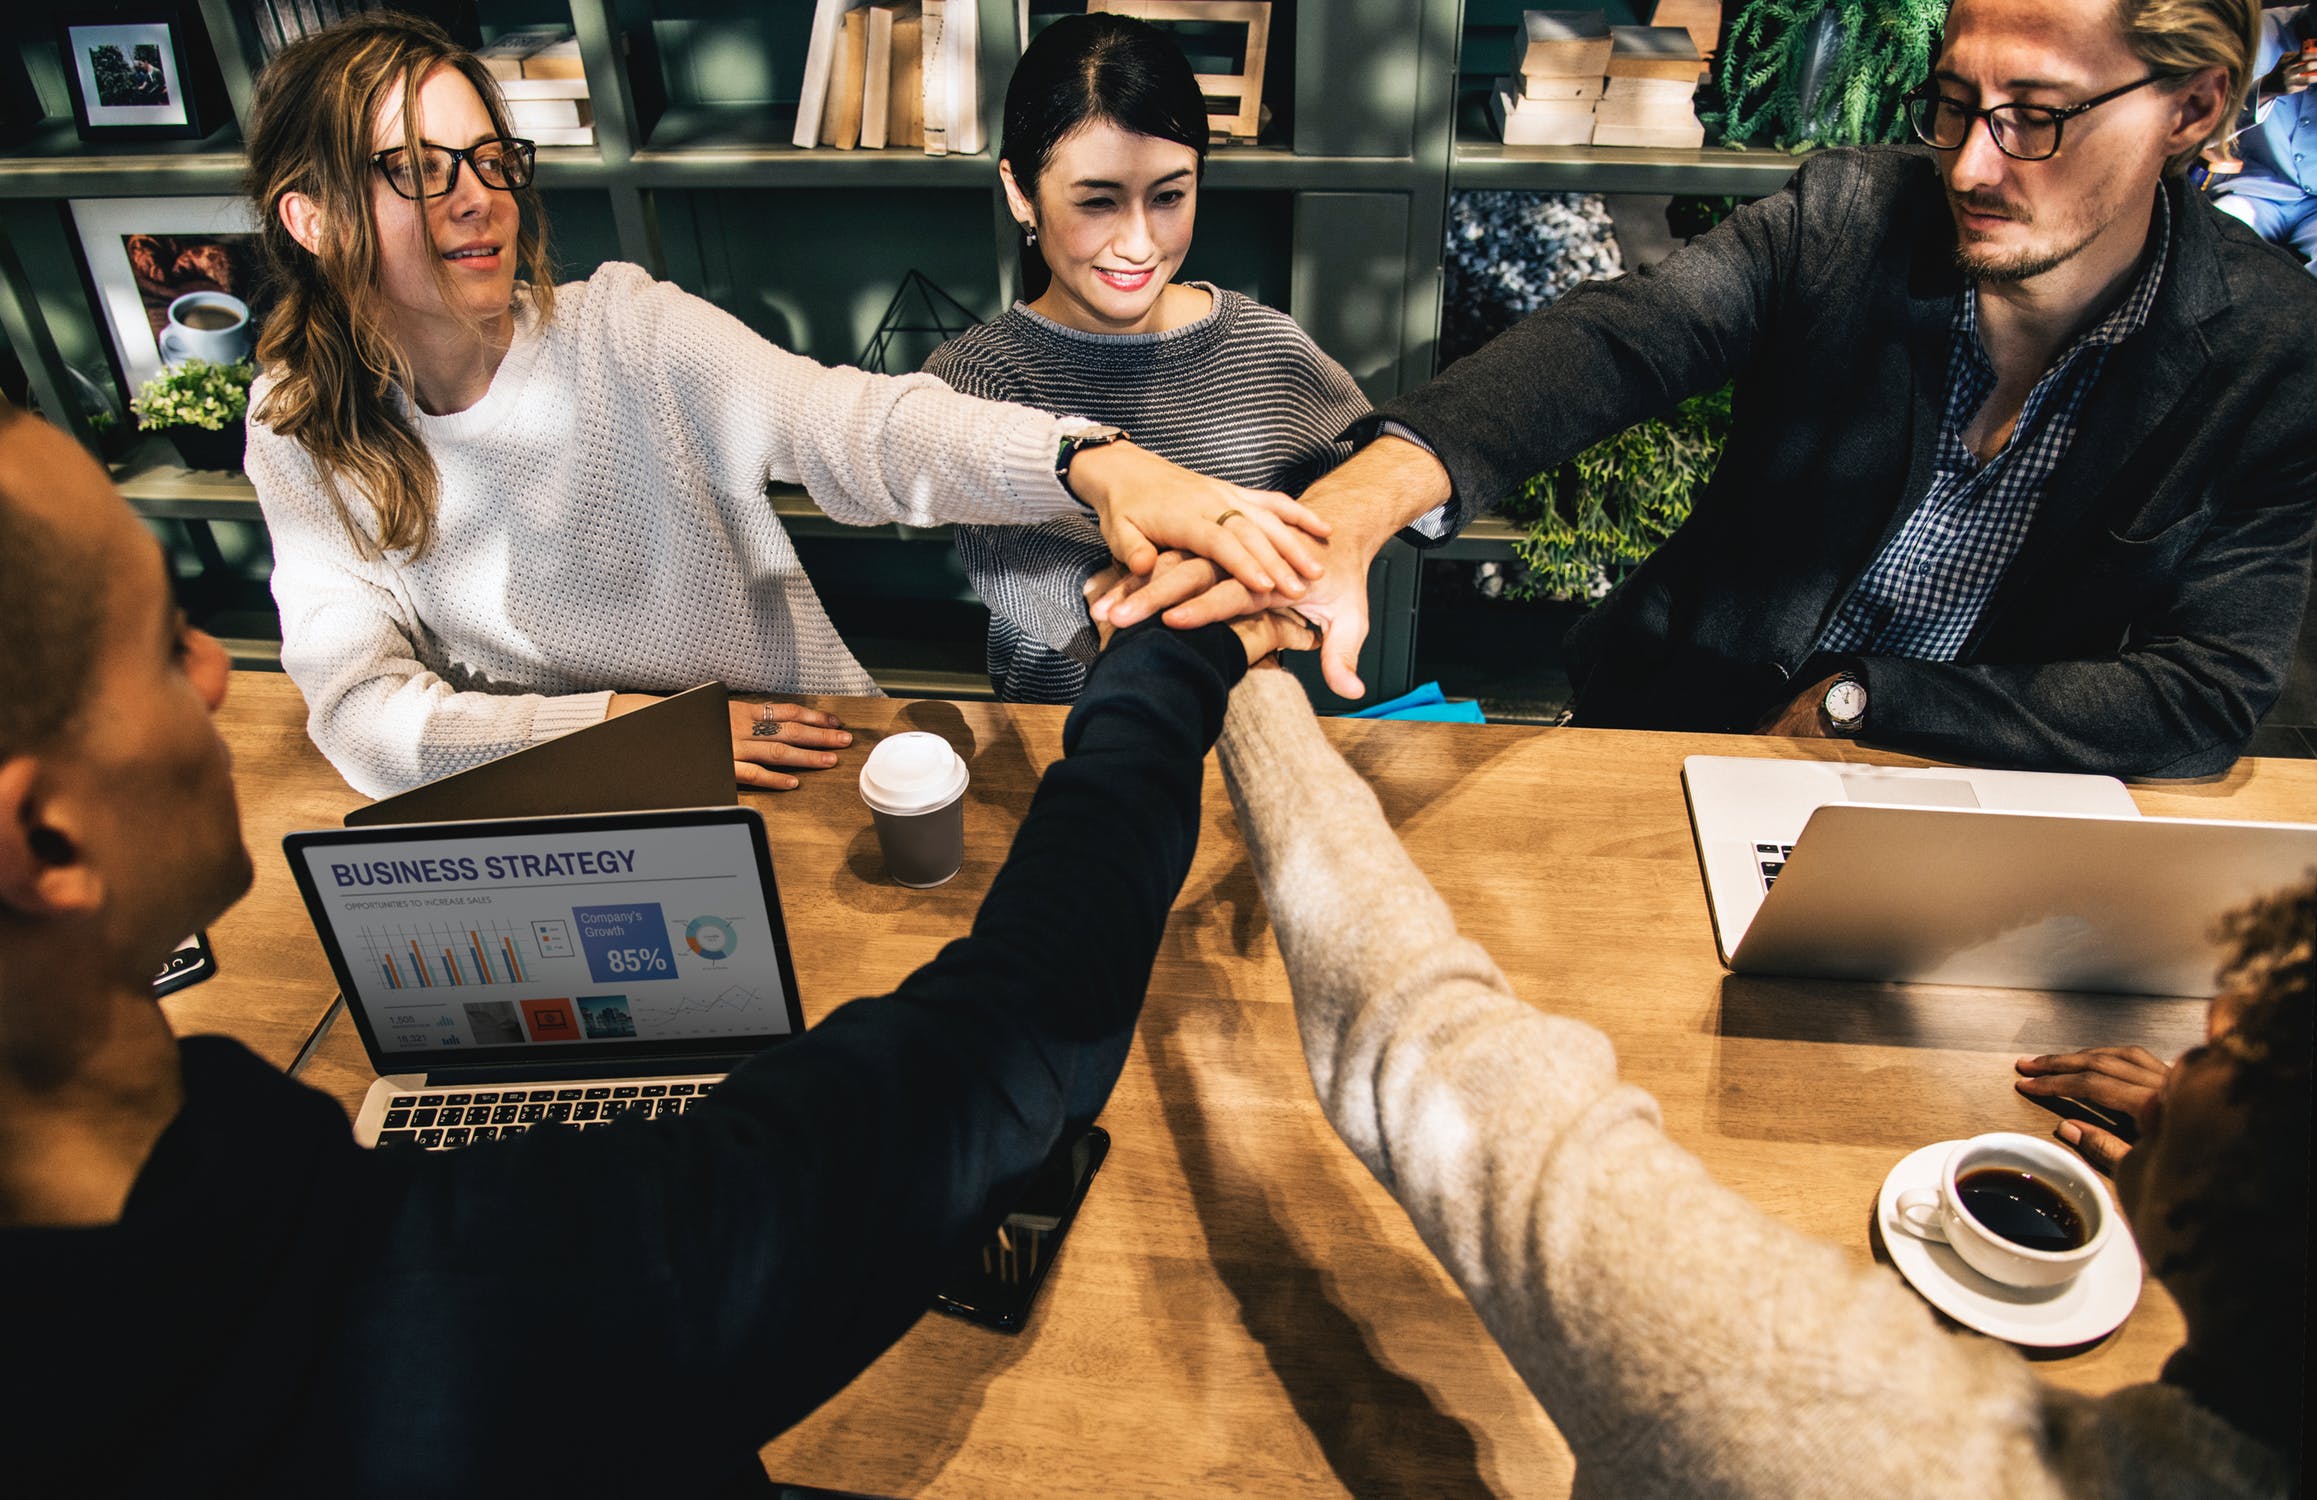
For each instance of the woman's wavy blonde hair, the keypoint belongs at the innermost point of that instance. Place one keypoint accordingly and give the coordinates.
(335, 370)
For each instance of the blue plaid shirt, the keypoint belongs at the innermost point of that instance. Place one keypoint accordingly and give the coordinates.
(1924, 595)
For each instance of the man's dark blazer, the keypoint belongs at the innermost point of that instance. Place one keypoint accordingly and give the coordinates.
(2145, 625)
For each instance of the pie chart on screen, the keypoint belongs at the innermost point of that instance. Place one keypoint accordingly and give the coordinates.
(712, 938)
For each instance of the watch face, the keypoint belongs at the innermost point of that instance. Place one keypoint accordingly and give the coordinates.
(1846, 702)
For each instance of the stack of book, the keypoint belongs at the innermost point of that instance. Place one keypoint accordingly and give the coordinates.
(1564, 57)
(545, 87)
(898, 74)
(1652, 92)
(1702, 19)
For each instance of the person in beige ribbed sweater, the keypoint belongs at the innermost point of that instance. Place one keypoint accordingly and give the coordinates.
(1682, 1340)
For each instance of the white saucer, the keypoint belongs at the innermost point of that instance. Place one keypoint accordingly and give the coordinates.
(173, 347)
(2092, 1306)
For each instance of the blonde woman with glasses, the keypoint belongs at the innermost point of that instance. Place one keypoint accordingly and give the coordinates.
(503, 509)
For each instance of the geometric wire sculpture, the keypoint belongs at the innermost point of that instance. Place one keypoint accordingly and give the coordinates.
(937, 318)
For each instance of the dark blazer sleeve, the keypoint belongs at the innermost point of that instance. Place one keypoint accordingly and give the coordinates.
(1612, 353)
(2183, 695)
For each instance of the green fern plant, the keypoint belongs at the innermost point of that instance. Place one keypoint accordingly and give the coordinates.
(1779, 82)
(1594, 518)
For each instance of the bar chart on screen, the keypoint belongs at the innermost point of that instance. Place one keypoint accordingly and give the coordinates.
(450, 955)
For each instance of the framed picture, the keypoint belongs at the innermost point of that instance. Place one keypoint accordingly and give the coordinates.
(146, 254)
(140, 72)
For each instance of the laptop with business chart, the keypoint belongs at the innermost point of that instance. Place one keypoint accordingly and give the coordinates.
(511, 972)
(2010, 879)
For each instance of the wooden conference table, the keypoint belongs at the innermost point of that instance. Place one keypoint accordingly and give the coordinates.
(1240, 1307)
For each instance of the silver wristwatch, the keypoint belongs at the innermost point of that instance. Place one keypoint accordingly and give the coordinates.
(1844, 706)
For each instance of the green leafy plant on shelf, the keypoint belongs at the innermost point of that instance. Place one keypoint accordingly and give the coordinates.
(195, 393)
(1800, 74)
(1593, 519)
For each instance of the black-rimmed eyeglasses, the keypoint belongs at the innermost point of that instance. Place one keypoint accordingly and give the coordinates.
(503, 164)
(2023, 132)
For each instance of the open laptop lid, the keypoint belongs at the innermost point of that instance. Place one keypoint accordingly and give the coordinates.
(2017, 900)
(542, 947)
(673, 753)
(1745, 810)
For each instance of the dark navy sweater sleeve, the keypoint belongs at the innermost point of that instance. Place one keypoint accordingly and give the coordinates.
(633, 1310)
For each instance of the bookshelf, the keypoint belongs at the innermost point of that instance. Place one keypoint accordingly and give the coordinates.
(1336, 214)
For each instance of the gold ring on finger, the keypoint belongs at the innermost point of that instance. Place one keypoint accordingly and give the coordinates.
(1225, 516)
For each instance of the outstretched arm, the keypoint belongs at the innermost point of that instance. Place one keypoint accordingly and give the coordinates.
(1681, 1340)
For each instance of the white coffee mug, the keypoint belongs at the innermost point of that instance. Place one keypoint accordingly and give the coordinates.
(1938, 1214)
(230, 338)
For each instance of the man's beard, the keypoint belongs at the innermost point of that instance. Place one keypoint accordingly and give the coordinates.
(1987, 269)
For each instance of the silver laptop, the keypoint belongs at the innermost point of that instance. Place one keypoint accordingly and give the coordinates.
(673, 753)
(511, 973)
(2010, 879)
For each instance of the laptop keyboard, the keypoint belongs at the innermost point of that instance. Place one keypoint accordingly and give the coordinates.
(444, 1121)
(1770, 859)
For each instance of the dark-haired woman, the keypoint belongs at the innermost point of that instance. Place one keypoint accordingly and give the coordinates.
(504, 509)
(1105, 142)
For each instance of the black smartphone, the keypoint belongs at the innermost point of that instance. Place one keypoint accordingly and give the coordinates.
(997, 1285)
(190, 962)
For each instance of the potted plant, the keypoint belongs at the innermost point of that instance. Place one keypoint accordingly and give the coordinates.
(201, 408)
(1592, 520)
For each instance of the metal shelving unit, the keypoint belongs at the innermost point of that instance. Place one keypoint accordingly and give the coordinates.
(1356, 193)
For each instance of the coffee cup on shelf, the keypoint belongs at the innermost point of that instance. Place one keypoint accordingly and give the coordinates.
(2018, 1209)
(209, 325)
(914, 784)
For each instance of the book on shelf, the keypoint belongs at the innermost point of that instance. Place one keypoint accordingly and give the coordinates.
(557, 60)
(892, 82)
(933, 83)
(820, 58)
(1654, 52)
(905, 94)
(514, 89)
(1702, 19)
(877, 78)
(530, 116)
(1564, 44)
(1651, 97)
(1539, 122)
(961, 69)
(1553, 90)
(841, 111)
(562, 135)
(504, 58)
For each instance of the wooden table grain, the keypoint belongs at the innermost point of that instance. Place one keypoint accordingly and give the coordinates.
(1240, 1308)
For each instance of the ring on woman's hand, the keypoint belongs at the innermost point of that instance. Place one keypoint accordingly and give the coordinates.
(1225, 516)
(766, 726)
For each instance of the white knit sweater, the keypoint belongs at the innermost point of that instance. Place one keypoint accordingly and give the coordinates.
(603, 528)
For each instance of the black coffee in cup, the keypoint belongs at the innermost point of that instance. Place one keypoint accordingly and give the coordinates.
(209, 317)
(2023, 1208)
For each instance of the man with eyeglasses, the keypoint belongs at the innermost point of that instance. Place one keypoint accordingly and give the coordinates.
(2021, 472)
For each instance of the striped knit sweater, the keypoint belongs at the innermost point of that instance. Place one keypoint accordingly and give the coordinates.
(1243, 394)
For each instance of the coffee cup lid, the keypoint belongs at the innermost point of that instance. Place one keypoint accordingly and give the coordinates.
(912, 773)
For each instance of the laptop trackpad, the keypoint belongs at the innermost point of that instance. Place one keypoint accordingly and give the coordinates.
(1908, 791)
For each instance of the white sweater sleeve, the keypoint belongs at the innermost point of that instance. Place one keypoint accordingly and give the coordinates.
(1683, 1341)
(356, 649)
(869, 449)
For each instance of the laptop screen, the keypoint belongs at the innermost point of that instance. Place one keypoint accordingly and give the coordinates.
(581, 940)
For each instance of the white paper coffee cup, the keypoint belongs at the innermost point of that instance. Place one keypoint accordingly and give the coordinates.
(915, 784)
